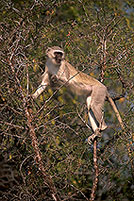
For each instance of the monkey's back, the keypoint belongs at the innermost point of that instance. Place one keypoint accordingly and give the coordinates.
(79, 76)
(81, 83)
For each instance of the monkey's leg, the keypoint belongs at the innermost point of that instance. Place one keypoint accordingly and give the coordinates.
(97, 102)
(97, 111)
(94, 124)
(91, 116)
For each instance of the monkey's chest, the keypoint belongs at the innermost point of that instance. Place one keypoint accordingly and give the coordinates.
(57, 81)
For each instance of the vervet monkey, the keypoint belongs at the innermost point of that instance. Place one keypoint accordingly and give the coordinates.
(80, 83)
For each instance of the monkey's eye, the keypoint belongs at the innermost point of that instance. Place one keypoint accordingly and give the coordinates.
(58, 54)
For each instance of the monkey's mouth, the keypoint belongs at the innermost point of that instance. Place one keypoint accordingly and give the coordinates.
(58, 60)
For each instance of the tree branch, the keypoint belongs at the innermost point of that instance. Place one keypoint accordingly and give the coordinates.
(95, 182)
(38, 157)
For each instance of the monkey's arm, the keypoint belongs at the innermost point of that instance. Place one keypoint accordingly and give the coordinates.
(43, 85)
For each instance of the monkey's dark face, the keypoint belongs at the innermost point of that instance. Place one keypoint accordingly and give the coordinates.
(58, 57)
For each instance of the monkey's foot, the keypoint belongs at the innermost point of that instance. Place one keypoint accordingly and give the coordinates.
(93, 136)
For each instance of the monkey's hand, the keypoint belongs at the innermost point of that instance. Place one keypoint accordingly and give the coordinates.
(34, 96)
(40, 89)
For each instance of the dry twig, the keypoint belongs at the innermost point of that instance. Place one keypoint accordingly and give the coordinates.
(95, 182)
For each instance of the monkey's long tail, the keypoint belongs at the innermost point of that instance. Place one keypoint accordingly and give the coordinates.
(116, 111)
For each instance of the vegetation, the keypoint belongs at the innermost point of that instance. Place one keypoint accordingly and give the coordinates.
(44, 149)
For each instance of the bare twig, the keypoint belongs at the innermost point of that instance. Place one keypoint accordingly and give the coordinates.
(12, 125)
(103, 59)
(95, 182)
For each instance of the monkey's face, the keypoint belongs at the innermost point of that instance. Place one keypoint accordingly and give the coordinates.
(56, 54)
(58, 57)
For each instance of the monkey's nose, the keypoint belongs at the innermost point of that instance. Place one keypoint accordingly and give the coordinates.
(59, 61)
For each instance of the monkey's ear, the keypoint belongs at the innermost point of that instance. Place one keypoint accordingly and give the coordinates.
(48, 49)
